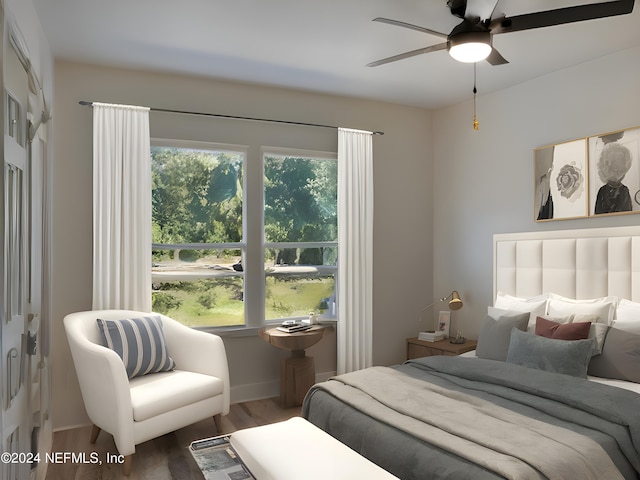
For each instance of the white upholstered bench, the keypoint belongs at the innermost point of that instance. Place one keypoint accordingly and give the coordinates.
(296, 449)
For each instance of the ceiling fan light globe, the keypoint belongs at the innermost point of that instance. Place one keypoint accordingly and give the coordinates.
(470, 47)
(470, 52)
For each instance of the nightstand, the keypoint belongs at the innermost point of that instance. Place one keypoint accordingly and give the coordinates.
(419, 348)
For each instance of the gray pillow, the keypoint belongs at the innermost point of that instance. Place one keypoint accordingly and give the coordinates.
(139, 342)
(570, 357)
(620, 357)
(493, 341)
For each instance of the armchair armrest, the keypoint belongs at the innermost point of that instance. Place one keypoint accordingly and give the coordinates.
(103, 383)
(199, 352)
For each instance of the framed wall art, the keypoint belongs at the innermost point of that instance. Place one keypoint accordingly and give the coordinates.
(614, 166)
(560, 181)
(444, 322)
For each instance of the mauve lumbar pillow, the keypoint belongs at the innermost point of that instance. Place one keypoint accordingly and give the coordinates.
(562, 331)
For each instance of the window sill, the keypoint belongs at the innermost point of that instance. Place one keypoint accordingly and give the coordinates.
(233, 332)
(242, 331)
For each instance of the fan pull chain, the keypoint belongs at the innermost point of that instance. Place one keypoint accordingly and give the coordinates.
(476, 124)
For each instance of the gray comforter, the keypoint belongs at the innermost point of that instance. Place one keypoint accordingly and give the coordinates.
(477, 418)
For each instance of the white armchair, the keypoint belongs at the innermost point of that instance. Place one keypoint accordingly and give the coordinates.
(139, 409)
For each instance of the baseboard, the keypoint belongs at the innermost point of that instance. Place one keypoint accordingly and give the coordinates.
(255, 391)
(270, 389)
(72, 427)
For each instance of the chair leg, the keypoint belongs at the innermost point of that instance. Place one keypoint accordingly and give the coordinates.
(95, 431)
(126, 466)
(218, 421)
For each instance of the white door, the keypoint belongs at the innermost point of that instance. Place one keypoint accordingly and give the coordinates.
(37, 337)
(16, 411)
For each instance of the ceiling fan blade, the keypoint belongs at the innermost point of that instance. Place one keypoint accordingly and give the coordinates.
(457, 7)
(578, 13)
(398, 23)
(495, 58)
(475, 11)
(413, 53)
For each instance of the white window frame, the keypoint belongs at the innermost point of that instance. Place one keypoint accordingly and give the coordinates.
(253, 242)
(290, 152)
(242, 245)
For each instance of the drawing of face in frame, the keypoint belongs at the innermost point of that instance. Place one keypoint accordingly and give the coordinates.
(614, 163)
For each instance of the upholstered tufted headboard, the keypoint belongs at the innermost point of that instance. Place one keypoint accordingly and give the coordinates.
(578, 264)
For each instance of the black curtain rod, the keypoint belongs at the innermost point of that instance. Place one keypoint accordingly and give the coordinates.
(219, 115)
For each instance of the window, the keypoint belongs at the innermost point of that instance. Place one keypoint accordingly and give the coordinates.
(15, 128)
(301, 233)
(214, 264)
(197, 234)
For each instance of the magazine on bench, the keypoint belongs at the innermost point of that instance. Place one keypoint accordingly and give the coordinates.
(218, 460)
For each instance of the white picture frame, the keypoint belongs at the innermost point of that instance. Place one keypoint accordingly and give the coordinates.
(561, 180)
(444, 322)
(617, 155)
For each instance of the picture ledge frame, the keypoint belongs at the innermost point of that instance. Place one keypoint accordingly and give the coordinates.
(444, 322)
(587, 177)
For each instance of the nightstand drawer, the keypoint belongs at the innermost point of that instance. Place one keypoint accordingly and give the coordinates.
(417, 348)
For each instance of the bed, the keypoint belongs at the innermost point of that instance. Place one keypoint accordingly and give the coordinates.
(552, 390)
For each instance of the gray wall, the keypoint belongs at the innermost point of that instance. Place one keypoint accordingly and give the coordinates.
(441, 189)
(403, 216)
(483, 180)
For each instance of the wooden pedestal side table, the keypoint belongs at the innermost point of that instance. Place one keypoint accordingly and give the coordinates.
(298, 372)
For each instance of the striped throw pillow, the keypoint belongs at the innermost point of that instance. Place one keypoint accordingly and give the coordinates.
(139, 342)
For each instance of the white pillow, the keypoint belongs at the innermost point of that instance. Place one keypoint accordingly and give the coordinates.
(604, 307)
(509, 304)
(628, 326)
(597, 331)
(627, 311)
(628, 316)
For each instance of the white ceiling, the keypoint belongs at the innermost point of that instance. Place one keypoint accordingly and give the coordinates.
(321, 46)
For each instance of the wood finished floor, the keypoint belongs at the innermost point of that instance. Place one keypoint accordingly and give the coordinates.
(164, 458)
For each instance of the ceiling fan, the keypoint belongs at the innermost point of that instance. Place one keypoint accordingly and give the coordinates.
(471, 39)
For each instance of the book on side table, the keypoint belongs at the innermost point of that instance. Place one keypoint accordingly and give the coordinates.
(293, 328)
(431, 336)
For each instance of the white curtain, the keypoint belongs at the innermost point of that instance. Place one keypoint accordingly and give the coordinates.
(355, 247)
(121, 207)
